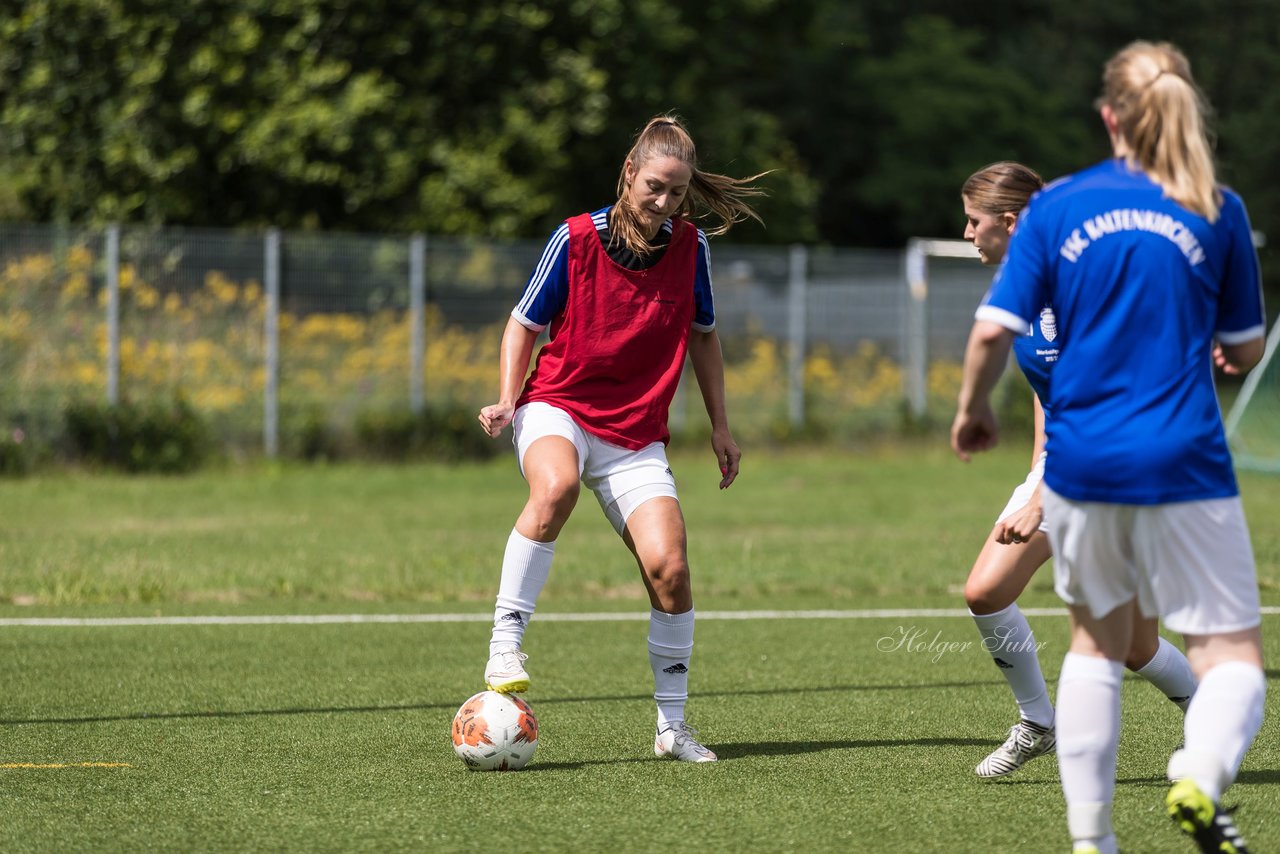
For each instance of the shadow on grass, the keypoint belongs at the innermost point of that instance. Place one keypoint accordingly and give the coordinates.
(795, 748)
(452, 705)
(1261, 776)
(746, 749)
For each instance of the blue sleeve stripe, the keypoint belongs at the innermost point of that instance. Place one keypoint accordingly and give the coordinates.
(1001, 317)
(526, 322)
(1243, 335)
(704, 319)
(550, 256)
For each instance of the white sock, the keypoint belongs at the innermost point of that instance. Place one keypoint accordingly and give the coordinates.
(1008, 637)
(1170, 671)
(670, 644)
(1088, 735)
(1224, 717)
(525, 568)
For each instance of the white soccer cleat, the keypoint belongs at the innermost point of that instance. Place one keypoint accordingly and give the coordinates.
(505, 671)
(1026, 741)
(680, 741)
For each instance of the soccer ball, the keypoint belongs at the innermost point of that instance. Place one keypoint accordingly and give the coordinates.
(495, 732)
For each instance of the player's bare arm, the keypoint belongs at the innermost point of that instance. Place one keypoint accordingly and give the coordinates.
(975, 427)
(708, 367)
(515, 351)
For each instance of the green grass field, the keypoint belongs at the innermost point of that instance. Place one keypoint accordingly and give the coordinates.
(334, 737)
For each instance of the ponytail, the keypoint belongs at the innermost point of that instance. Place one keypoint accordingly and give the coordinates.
(1161, 116)
(719, 196)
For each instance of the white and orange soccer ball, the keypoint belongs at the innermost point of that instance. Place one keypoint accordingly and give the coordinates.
(495, 732)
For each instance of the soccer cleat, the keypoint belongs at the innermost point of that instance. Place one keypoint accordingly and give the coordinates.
(1203, 820)
(505, 672)
(1026, 741)
(680, 741)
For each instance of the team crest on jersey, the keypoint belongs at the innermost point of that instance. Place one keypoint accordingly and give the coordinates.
(1048, 324)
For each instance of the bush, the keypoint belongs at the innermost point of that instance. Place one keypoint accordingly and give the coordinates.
(450, 433)
(18, 453)
(152, 437)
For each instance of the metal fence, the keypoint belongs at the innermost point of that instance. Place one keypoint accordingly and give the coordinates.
(266, 334)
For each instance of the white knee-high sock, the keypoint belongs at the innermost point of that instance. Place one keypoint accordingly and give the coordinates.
(1008, 637)
(1170, 671)
(670, 645)
(525, 568)
(1224, 717)
(1088, 735)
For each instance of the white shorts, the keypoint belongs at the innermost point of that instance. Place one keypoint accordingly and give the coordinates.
(1022, 494)
(1189, 563)
(622, 479)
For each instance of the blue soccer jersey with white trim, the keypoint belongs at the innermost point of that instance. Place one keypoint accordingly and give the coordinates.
(1140, 287)
(1037, 351)
(548, 288)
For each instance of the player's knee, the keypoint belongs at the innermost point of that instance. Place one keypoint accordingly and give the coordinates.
(553, 500)
(982, 596)
(669, 574)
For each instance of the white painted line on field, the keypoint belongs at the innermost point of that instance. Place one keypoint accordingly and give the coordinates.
(597, 617)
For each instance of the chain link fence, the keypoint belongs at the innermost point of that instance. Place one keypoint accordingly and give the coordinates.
(273, 336)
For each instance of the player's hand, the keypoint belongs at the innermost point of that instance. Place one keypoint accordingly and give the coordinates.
(727, 455)
(974, 431)
(1019, 527)
(1224, 364)
(495, 417)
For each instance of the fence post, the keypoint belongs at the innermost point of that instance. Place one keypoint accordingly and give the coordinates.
(916, 332)
(113, 313)
(417, 322)
(797, 311)
(271, 339)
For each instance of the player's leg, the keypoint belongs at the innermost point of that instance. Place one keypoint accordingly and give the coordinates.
(998, 577)
(1204, 584)
(551, 463)
(1160, 662)
(637, 492)
(1096, 575)
(655, 533)
(1221, 723)
(1089, 722)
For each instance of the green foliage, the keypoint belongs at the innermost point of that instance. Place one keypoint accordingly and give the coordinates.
(501, 118)
(152, 437)
(447, 434)
(18, 454)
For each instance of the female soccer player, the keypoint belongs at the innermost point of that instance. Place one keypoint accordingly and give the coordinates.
(626, 291)
(1017, 546)
(1147, 262)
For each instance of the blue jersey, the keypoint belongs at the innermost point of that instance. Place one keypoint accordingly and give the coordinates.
(1140, 287)
(1036, 351)
(548, 288)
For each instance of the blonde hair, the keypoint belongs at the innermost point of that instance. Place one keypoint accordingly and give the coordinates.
(709, 194)
(1161, 115)
(1003, 187)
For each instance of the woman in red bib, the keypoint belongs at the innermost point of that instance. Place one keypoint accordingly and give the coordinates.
(626, 292)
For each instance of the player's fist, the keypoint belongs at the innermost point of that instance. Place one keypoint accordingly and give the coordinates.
(973, 432)
(495, 417)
